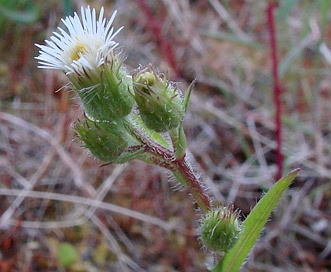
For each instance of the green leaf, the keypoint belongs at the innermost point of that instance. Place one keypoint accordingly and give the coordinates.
(25, 16)
(188, 94)
(66, 254)
(181, 144)
(153, 135)
(253, 225)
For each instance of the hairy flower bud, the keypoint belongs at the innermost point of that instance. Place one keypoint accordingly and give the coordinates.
(160, 104)
(106, 140)
(220, 229)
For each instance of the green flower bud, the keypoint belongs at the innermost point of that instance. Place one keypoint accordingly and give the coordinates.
(160, 104)
(220, 229)
(106, 92)
(106, 140)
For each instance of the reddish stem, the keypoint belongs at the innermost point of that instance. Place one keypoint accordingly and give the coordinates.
(194, 186)
(276, 88)
(155, 27)
(182, 171)
(179, 167)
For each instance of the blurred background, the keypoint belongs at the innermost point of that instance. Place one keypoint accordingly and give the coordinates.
(61, 210)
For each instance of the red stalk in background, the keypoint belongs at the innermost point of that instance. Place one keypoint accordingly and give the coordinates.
(154, 26)
(276, 88)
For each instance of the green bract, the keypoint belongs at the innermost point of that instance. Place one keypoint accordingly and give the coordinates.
(106, 93)
(106, 140)
(159, 103)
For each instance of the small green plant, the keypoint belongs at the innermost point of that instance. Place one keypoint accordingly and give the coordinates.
(140, 115)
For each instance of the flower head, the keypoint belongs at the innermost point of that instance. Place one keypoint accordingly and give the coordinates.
(85, 46)
(86, 54)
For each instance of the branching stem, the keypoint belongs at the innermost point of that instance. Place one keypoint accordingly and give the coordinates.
(181, 169)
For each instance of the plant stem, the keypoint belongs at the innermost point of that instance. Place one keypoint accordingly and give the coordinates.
(276, 87)
(186, 175)
(181, 168)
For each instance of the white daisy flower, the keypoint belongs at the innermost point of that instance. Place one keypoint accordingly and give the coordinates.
(86, 45)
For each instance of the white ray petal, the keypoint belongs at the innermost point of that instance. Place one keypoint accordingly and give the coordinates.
(84, 43)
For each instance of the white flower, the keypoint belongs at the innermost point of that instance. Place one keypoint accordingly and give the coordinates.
(86, 46)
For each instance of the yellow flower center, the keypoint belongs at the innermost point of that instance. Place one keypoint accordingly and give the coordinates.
(85, 46)
(74, 52)
(77, 51)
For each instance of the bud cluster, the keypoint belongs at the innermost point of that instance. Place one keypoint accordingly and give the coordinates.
(117, 106)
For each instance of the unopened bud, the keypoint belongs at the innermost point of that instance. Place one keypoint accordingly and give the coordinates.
(220, 229)
(160, 104)
(106, 140)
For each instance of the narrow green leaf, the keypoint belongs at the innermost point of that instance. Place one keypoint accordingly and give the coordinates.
(181, 145)
(188, 94)
(253, 225)
(153, 135)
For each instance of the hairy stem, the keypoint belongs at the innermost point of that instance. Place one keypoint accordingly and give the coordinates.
(186, 175)
(165, 157)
